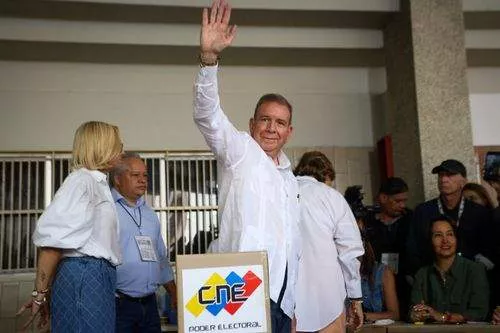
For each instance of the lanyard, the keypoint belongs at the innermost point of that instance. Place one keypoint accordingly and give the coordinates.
(132, 217)
(460, 209)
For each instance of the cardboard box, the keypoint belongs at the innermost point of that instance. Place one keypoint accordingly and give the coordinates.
(224, 292)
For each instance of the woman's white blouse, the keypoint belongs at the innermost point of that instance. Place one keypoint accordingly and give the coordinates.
(81, 219)
(328, 267)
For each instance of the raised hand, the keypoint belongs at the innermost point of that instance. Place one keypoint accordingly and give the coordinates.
(216, 33)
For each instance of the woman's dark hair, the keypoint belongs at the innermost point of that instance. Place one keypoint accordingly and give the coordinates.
(315, 164)
(443, 218)
(481, 191)
(368, 262)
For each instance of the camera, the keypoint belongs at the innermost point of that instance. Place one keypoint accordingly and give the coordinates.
(354, 196)
(492, 167)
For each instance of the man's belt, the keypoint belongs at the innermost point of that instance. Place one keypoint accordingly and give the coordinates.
(141, 300)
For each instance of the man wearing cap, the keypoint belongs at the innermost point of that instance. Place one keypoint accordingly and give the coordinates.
(472, 220)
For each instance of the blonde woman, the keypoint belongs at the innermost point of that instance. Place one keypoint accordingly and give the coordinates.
(78, 240)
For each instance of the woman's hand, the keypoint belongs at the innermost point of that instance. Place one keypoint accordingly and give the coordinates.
(421, 312)
(496, 316)
(38, 307)
(355, 315)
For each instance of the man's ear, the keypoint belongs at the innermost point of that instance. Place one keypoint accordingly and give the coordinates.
(116, 181)
(382, 198)
(251, 124)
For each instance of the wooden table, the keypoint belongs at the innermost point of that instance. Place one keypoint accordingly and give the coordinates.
(430, 328)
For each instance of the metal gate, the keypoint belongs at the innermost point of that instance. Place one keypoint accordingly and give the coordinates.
(182, 190)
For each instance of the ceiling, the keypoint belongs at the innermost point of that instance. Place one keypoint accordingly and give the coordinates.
(41, 48)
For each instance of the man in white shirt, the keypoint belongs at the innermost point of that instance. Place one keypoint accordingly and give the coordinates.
(258, 192)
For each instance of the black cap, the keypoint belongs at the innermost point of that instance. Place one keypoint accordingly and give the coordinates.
(451, 166)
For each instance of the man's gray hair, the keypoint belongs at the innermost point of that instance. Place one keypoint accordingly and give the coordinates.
(122, 165)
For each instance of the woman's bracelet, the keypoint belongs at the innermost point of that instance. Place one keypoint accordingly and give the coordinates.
(39, 302)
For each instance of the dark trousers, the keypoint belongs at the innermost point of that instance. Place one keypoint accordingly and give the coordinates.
(135, 315)
(280, 322)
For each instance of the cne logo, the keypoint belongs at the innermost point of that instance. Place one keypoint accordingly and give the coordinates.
(218, 293)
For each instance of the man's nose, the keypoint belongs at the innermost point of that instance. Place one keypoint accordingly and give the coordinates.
(271, 126)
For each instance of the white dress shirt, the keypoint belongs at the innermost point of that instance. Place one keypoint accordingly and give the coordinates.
(328, 266)
(258, 200)
(81, 219)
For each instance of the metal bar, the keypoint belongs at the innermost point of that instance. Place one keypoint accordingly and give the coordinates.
(2, 218)
(18, 224)
(163, 203)
(28, 222)
(49, 187)
(37, 205)
(10, 241)
(175, 215)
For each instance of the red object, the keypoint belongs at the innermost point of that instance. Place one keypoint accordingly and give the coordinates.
(385, 160)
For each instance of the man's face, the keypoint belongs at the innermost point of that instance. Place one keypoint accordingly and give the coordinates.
(393, 205)
(449, 183)
(133, 182)
(271, 127)
(444, 241)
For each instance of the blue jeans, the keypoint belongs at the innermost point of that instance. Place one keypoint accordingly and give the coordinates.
(137, 315)
(83, 296)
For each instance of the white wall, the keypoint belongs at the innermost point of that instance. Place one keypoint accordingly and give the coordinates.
(484, 87)
(41, 104)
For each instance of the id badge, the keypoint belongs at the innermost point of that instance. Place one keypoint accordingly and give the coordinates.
(391, 260)
(146, 249)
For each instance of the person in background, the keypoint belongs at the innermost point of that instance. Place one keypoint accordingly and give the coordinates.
(387, 231)
(380, 298)
(145, 263)
(478, 194)
(78, 243)
(492, 176)
(453, 289)
(328, 268)
(472, 221)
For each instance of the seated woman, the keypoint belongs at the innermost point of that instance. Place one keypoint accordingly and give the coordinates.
(380, 300)
(453, 289)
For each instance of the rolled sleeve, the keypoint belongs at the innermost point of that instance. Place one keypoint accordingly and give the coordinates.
(66, 223)
(350, 247)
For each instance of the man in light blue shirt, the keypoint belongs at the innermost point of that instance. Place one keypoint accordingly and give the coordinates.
(145, 262)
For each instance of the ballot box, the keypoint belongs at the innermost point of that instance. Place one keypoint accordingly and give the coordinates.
(226, 292)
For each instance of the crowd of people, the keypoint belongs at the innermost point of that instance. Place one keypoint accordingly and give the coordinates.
(332, 261)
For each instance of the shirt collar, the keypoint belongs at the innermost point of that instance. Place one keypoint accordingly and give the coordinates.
(454, 268)
(117, 197)
(99, 176)
(307, 178)
(284, 162)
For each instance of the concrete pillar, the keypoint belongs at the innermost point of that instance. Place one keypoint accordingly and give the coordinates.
(428, 111)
